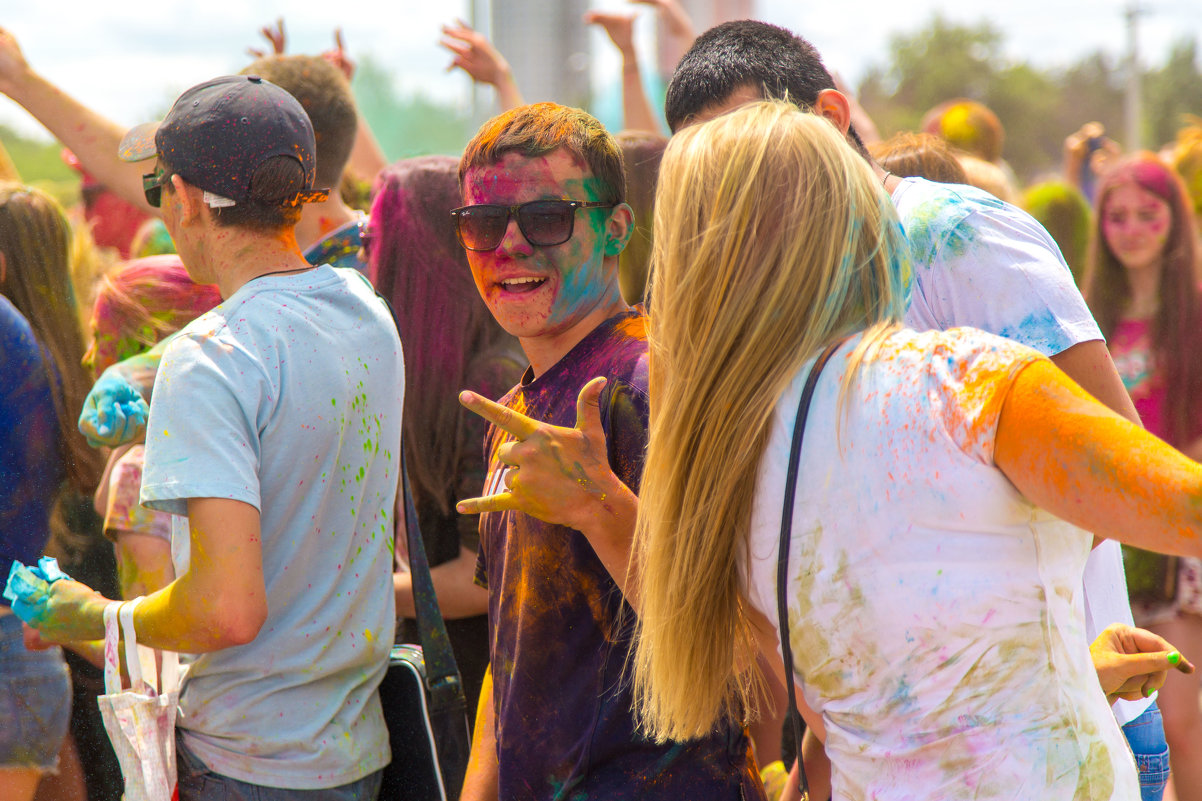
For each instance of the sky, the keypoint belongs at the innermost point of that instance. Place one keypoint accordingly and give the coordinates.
(130, 66)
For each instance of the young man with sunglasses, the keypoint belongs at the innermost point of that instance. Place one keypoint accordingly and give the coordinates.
(274, 434)
(544, 223)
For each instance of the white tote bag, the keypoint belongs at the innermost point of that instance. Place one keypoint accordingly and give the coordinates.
(141, 720)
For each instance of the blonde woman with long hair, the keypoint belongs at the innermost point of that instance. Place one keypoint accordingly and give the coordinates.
(934, 577)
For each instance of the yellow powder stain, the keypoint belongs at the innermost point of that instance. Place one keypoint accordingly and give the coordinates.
(166, 433)
(370, 637)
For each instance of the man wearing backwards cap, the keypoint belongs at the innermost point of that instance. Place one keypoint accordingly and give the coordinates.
(275, 428)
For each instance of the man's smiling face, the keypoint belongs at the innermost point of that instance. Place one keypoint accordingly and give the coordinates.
(553, 292)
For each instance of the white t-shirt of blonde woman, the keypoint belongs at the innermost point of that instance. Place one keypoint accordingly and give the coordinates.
(935, 615)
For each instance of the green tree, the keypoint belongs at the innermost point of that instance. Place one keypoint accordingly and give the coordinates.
(1038, 108)
(40, 164)
(413, 125)
(1027, 100)
(1172, 92)
(942, 61)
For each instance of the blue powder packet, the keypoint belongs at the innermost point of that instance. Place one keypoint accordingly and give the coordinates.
(26, 587)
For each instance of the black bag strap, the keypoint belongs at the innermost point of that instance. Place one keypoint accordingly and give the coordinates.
(442, 674)
(786, 533)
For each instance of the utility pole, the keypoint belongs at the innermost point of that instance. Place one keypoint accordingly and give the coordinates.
(1133, 99)
(483, 23)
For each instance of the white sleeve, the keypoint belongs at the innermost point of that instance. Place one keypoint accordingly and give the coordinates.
(202, 435)
(979, 262)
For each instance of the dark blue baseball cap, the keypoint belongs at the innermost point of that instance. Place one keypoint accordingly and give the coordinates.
(219, 132)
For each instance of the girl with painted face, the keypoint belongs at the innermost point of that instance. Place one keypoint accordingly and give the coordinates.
(946, 489)
(138, 304)
(1142, 287)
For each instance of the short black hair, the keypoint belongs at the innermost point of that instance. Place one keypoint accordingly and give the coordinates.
(746, 53)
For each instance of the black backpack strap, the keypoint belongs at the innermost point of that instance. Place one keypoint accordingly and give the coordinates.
(786, 533)
(442, 674)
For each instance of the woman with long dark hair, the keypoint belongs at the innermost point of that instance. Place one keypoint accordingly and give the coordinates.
(451, 343)
(1142, 286)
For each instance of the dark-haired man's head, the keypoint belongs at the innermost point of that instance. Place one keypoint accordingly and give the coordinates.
(325, 94)
(738, 62)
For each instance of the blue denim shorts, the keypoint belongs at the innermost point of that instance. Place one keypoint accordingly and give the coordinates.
(198, 783)
(35, 701)
(1145, 735)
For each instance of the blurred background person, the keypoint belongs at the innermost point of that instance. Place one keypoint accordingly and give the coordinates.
(137, 305)
(1142, 287)
(47, 469)
(452, 343)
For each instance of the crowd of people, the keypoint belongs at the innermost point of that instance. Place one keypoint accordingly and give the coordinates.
(690, 423)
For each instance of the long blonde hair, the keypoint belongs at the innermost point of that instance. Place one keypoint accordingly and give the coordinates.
(35, 239)
(772, 239)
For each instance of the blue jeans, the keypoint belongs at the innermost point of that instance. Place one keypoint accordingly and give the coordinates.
(1145, 735)
(198, 783)
(35, 701)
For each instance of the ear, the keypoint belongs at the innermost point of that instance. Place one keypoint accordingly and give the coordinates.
(618, 229)
(191, 199)
(832, 104)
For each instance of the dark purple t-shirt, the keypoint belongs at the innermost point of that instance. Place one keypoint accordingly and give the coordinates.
(30, 467)
(559, 629)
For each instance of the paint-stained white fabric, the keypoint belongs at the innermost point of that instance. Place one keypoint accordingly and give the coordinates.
(984, 263)
(288, 397)
(935, 614)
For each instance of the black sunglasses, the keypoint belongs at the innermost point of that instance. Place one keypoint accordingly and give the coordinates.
(152, 187)
(544, 223)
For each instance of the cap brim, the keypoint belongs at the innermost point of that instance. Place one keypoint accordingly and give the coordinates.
(138, 143)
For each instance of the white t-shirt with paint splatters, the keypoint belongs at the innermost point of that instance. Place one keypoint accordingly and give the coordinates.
(288, 397)
(984, 263)
(935, 614)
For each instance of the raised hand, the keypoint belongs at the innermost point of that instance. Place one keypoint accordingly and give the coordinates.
(619, 27)
(676, 20)
(275, 37)
(12, 61)
(474, 54)
(338, 56)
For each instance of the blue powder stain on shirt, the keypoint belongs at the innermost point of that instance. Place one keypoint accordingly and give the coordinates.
(902, 700)
(1039, 330)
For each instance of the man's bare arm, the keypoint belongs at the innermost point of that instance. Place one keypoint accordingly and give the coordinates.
(90, 136)
(220, 602)
(454, 585)
(1090, 365)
